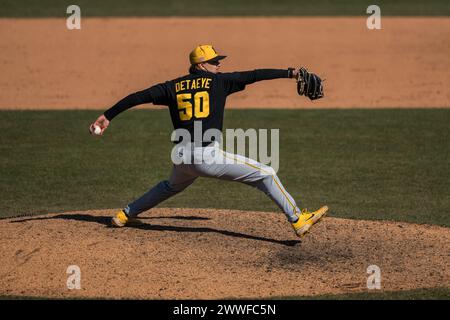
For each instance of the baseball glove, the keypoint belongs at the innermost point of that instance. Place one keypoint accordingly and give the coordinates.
(309, 84)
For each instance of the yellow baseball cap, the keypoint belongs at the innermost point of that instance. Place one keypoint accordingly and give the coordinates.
(204, 53)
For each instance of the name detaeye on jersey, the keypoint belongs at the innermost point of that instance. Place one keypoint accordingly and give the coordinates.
(190, 84)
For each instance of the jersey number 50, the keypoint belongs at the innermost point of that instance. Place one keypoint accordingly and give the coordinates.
(201, 105)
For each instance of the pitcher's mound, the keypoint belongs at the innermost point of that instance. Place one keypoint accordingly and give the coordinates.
(214, 254)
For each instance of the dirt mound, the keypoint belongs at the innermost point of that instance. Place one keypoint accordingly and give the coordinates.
(209, 253)
(46, 66)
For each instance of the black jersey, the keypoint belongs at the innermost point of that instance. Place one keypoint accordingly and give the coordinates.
(198, 96)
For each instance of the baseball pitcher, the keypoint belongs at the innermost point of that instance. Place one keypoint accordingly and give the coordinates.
(200, 97)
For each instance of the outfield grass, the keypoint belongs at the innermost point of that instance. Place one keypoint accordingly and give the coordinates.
(364, 164)
(57, 8)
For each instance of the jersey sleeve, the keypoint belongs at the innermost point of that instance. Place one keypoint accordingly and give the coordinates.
(157, 94)
(236, 81)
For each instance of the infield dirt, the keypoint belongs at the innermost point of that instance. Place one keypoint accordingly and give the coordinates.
(213, 254)
(46, 66)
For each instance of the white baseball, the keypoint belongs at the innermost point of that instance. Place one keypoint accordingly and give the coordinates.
(97, 130)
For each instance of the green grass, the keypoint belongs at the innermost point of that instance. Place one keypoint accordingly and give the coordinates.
(364, 164)
(89, 8)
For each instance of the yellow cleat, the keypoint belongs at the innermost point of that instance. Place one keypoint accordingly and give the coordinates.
(120, 219)
(307, 219)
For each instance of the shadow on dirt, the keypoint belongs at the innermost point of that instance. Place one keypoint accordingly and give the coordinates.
(176, 218)
(106, 221)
